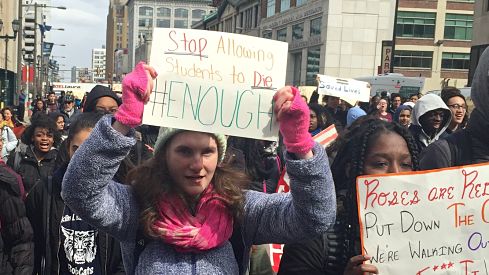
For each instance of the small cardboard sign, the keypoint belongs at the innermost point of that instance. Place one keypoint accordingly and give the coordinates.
(349, 90)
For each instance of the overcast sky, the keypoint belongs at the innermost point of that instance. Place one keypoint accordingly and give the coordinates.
(85, 23)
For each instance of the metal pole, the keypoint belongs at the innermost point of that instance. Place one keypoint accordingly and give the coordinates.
(34, 94)
(394, 37)
(18, 86)
(5, 78)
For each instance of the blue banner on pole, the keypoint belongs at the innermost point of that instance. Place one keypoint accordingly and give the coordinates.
(47, 48)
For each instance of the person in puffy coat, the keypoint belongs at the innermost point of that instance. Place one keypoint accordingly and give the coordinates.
(16, 239)
(183, 202)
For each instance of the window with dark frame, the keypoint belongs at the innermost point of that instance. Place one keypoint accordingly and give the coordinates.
(413, 59)
(298, 31)
(458, 26)
(415, 24)
(455, 61)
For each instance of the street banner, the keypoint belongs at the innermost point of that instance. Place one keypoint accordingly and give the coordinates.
(430, 222)
(216, 82)
(47, 48)
(349, 90)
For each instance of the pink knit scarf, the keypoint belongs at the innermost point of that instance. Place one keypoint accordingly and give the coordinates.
(211, 226)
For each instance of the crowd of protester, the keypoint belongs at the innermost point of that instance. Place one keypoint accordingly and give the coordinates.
(92, 191)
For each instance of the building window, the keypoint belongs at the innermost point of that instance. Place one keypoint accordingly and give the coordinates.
(284, 5)
(270, 7)
(300, 2)
(146, 22)
(267, 34)
(198, 14)
(181, 18)
(315, 28)
(458, 26)
(163, 23)
(455, 61)
(298, 31)
(413, 59)
(312, 69)
(297, 59)
(247, 19)
(163, 17)
(181, 13)
(163, 12)
(146, 11)
(415, 24)
(282, 34)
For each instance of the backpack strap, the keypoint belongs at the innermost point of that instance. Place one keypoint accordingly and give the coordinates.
(460, 145)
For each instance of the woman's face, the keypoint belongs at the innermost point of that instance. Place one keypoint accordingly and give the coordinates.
(405, 118)
(313, 122)
(192, 159)
(7, 115)
(42, 139)
(458, 108)
(388, 153)
(77, 141)
(382, 105)
(40, 105)
(60, 123)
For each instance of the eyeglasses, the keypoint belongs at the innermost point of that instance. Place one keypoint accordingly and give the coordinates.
(458, 106)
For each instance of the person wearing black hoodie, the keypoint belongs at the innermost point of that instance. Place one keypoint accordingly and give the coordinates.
(65, 244)
(430, 118)
(471, 144)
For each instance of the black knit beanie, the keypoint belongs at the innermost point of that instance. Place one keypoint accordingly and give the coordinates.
(96, 93)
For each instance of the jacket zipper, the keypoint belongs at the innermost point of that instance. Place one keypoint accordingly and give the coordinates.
(59, 239)
(194, 265)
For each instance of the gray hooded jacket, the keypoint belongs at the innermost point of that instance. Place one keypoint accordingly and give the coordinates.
(425, 104)
(88, 189)
(473, 141)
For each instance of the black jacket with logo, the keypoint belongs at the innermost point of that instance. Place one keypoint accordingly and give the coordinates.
(45, 210)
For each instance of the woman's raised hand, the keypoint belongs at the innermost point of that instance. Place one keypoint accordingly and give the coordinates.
(136, 90)
(293, 117)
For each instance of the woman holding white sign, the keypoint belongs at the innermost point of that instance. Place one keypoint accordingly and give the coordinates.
(370, 146)
(183, 201)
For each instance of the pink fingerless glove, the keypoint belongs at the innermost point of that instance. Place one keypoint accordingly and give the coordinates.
(294, 126)
(134, 87)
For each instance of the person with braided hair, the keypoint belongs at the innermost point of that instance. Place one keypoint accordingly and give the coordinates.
(369, 146)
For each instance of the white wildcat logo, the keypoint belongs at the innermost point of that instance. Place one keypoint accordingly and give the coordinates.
(79, 245)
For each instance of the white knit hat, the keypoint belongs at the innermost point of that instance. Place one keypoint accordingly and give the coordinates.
(166, 133)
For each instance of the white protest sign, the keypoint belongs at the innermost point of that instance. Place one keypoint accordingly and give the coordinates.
(349, 90)
(423, 223)
(216, 82)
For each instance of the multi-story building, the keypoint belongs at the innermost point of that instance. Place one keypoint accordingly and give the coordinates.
(145, 14)
(8, 51)
(116, 36)
(480, 37)
(82, 75)
(340, 38)
(233, 16)
(98, 65)
(433, 39)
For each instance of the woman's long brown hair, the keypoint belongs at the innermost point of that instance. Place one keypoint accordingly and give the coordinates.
(151, 180)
